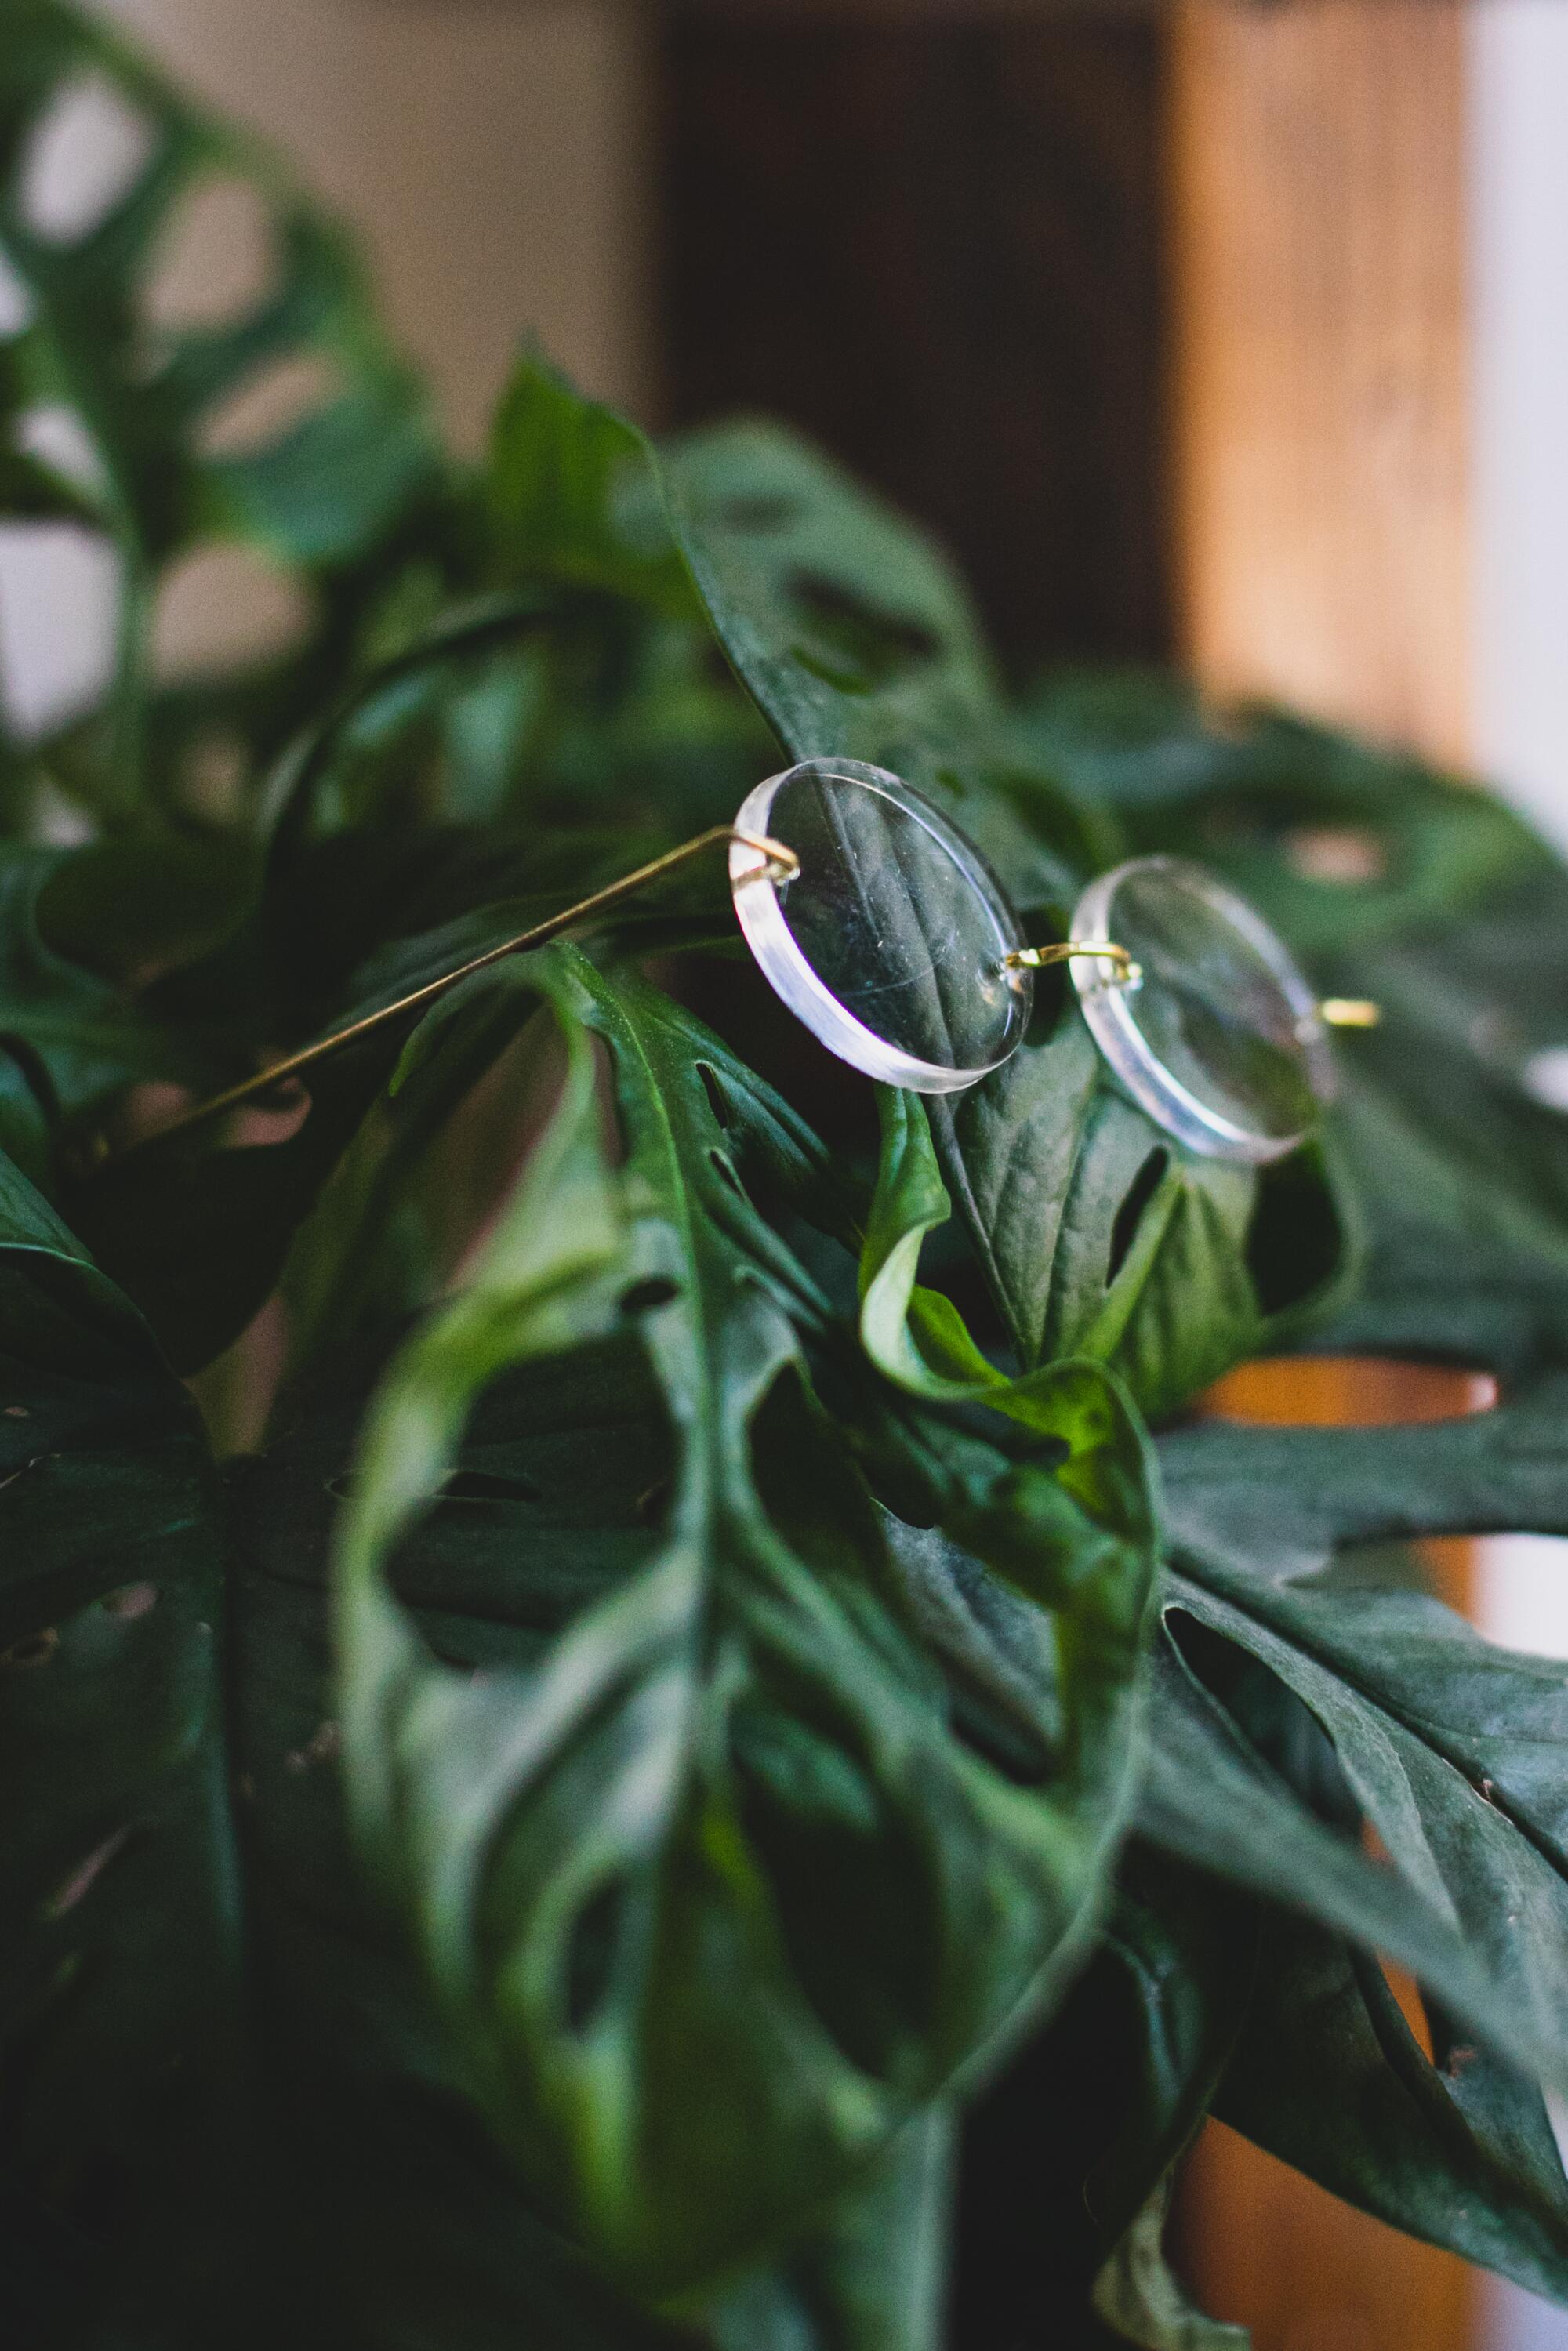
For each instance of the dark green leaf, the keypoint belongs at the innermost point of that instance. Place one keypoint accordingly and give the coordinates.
(1096, 1234)
(777, 1804)
(1328, 2075)
(121, 1941)
(855, 638)
(72, 1036)
(1461, 1169)
(573, 496)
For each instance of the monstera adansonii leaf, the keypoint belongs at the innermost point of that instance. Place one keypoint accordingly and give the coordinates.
(557, 1858)
(219, 2088)
(161, 462)
(1451, 1753)
(1412, 889)
(1398, 883)
(713, 1901)
(1448, 1751)
(1098, 1234)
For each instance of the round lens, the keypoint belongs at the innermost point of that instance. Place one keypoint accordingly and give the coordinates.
(891, 941)
(1214, 1031)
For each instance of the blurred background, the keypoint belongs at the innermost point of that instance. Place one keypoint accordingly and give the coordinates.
(1232, 334)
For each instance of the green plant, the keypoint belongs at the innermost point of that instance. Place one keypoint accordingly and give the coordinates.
(684, 1757)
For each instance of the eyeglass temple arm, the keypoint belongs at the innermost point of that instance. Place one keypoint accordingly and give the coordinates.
(776, 859)
(1350, 1012)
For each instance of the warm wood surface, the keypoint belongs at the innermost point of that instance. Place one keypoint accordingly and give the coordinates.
(1321, 414)
(1320, 435)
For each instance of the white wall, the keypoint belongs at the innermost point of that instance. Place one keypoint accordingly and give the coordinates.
(1519, 183)
(1519, 295)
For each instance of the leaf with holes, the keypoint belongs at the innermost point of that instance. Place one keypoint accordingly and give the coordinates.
(1460, 2150)
(320, 493)
(151, 2177)
(564, 1464)
(1452, 1752)
(1431, 898)
(1105, 1239)
(1095, 1232)
(719, 1831)
(855, 639)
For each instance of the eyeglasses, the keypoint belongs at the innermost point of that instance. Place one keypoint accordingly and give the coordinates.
(884, 930)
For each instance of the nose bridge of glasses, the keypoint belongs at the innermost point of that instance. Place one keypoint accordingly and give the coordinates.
(1125, 970)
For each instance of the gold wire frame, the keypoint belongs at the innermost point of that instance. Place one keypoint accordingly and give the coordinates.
(1127, 972)
(774, 859)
